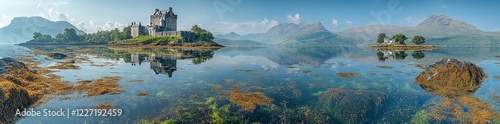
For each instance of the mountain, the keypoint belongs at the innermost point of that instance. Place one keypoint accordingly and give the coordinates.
(227, 42)
(293, 34)
(21, 29)
(437, 29)
(231, 35)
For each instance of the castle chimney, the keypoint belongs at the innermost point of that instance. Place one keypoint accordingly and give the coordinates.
(170, 9)
(156, 10)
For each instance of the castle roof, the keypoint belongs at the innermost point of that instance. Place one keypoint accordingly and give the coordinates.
(163, 12)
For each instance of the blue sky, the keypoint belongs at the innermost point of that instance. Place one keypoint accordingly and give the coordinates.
(254, 16)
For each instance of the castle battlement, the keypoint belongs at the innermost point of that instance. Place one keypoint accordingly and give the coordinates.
(163, 23)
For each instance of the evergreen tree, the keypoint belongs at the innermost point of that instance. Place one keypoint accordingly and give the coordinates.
(381, 37)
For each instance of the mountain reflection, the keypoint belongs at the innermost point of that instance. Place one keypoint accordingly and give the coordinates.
(299, 55)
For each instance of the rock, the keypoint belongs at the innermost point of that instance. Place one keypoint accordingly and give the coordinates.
(57, 55)
(7, 63)
(449, 77)
(352, 106)
(12, 97)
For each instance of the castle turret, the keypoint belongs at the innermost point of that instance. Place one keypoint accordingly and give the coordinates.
(137, 29)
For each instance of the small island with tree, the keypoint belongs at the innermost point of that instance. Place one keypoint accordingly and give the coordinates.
(397, 42)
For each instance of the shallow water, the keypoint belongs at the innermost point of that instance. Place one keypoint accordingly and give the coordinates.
(294, 77)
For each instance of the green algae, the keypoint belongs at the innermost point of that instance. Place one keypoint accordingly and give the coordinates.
(421, 117)
(352, 106)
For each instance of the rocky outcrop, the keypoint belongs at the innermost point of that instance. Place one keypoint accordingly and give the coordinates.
(12, 95)
(449, 77)
(7, 63)
(57, 55)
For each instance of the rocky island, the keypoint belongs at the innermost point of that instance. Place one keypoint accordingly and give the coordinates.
(397, 42)
(161, 31)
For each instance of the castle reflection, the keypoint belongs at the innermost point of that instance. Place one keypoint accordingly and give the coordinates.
(167, 63)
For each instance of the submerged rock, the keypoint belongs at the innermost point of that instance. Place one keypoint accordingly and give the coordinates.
(57, 55)
(352, 106)
(449, 76)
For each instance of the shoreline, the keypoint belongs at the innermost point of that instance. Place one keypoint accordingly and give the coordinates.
(404, 47)
(174, 46)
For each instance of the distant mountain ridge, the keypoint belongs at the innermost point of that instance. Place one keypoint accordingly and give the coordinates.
(437, 29)
(21, 29)
(292, 34)
(227, 42)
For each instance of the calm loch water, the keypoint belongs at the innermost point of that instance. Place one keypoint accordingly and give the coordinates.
(193, 85)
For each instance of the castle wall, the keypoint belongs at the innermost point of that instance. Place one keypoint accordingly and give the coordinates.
(187, 36)
(137, 29)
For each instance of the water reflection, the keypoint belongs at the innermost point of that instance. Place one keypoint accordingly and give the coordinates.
(383, 55)
(161, 60)
(314, 93)
(418, 55)
(167, 63)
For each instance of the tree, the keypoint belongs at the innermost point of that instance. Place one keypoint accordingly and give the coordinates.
(400, 38)
(60, 38)
(115, 35)
(381, 37)
(201, 34)
(70, 35)
(418, 40)
(126, 33)
(36, 35)
(39, 37)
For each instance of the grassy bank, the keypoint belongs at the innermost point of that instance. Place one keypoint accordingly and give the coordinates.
(153, 40)
(406, 47)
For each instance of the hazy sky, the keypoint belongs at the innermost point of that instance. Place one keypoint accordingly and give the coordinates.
(253, 16)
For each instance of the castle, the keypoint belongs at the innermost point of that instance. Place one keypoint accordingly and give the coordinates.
(163, 23)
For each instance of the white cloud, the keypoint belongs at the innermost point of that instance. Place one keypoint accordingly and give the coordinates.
(241, 28)
(4, 20)
(50, 11)
(335, 23)
(294, 19)
(350, 22)
(92, 27)
(409, 19)
(239, 60)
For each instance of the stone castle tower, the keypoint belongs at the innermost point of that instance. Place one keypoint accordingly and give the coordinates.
(163, 23)
(164, 20)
